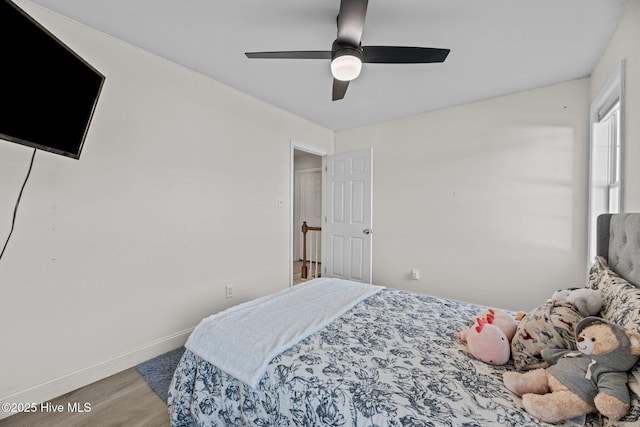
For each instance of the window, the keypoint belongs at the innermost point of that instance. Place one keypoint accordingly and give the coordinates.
(605, 172)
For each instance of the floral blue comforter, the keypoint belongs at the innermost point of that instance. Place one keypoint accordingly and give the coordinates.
(392, 360)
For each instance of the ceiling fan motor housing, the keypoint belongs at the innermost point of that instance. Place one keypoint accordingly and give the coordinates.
(346, 61)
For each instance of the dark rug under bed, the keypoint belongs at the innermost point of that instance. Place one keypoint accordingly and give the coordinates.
(157, 372)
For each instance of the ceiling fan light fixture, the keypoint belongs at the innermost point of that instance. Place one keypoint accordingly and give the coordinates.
(346, 64)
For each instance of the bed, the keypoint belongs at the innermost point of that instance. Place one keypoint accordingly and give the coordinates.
(387, 357)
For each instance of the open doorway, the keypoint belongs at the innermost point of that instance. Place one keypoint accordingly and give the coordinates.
(307, 209)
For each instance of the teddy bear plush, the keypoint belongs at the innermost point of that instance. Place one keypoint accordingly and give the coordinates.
(594, 378)
(587, 301)
(489, 338)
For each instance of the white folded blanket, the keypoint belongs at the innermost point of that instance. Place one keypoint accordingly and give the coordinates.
(242, 340)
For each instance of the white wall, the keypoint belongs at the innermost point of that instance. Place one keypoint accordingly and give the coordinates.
(487, 200)
(117, 256)
(625, 45)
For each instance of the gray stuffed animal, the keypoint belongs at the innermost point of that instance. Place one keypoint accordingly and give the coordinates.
(587, 301)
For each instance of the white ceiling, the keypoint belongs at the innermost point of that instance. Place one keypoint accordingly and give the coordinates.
(497, 47)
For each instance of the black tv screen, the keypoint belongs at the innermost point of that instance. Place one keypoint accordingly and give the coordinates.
(47, 92)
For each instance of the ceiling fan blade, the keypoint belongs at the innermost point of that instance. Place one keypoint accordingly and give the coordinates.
(351, 21)
(403, 54)
(292, 54)
(339, 89)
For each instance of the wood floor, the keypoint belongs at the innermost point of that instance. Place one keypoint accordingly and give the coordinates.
(123, 399)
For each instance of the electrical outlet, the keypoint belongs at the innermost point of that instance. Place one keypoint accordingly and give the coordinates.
(415, 274)
(229, 291)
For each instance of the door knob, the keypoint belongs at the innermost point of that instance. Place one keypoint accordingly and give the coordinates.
(367, 231)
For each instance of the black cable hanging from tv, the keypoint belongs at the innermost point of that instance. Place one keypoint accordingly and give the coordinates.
(15, 209)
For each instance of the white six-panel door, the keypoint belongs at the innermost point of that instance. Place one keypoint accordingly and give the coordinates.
(348, 215)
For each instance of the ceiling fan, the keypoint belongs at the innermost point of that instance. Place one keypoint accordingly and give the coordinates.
(347, 53)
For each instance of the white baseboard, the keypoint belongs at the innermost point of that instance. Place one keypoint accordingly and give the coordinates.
(74, 380)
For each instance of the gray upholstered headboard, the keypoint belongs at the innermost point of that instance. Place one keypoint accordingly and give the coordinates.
(619, 242)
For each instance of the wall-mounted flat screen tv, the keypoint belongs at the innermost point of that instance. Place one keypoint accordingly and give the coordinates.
(47, 92)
